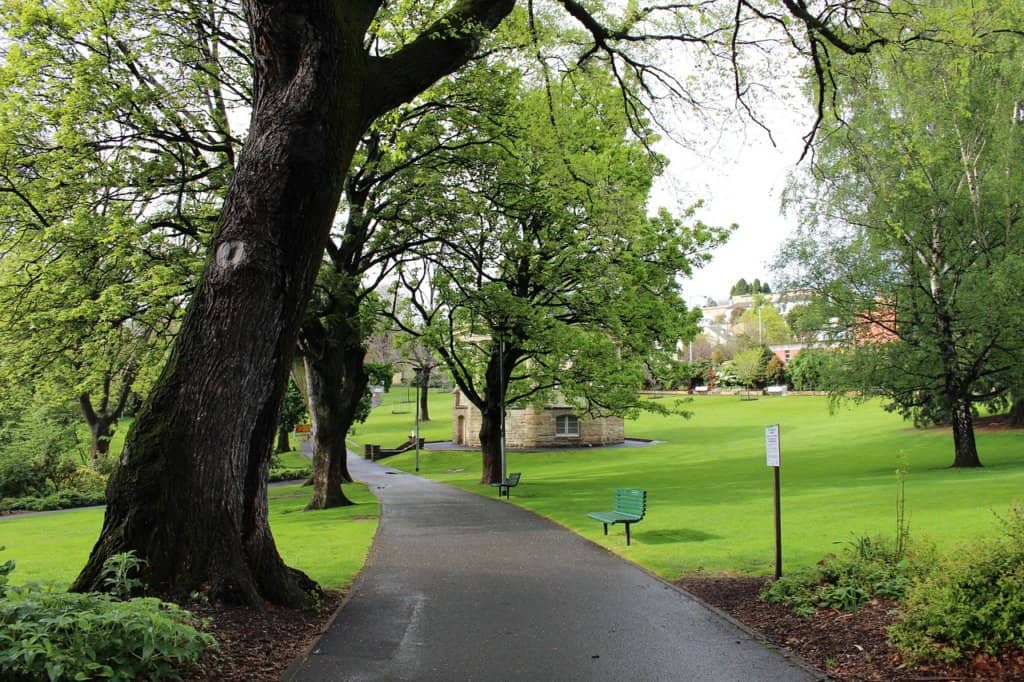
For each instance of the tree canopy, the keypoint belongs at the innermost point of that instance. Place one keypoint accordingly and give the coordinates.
(549, 278)
(318, 76)
(912, 222)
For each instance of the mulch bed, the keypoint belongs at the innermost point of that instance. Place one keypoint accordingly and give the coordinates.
(257, 645)
(847, 646)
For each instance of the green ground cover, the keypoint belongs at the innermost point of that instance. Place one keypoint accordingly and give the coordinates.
(710, 491)
(331, 546)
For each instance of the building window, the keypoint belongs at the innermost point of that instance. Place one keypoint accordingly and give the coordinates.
(567, 425)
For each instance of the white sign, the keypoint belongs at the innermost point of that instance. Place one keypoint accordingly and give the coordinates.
(771, 445)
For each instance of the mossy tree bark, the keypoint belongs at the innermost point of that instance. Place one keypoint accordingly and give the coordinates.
(190, 495)
(337, 381)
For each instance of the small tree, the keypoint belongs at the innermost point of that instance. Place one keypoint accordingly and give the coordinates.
(749, 368)
(811, 370)
(775, 371)
(293, 411)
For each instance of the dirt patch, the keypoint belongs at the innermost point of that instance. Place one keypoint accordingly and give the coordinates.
(256, 645)
(849, 647)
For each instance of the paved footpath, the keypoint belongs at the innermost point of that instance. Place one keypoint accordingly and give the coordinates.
(462, 587)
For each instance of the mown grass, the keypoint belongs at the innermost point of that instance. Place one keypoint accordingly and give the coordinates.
(710, 491)
(330, 546)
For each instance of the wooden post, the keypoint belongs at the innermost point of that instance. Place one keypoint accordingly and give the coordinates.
(773, 450)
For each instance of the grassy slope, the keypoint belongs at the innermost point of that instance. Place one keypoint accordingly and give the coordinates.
(710, 491)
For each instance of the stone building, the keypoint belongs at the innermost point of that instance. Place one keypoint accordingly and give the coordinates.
(530, 427)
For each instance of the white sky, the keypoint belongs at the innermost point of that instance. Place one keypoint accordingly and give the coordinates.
(741, 181)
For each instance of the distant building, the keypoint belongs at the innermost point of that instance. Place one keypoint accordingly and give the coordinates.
(530, 427)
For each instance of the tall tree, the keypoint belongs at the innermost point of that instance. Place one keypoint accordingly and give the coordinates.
(761, 324)
(551, 278)
(323, 72)
(379, 225)
(117, 150)
(317, 89)
(915, 223)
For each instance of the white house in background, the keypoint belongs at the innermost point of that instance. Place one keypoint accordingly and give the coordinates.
(531, 427)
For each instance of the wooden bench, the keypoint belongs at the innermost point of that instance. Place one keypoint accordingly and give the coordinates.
(511, 482)
(629, 507)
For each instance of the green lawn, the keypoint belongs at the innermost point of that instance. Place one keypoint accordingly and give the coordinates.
(710, 499)
(710, 491)
(331, 546)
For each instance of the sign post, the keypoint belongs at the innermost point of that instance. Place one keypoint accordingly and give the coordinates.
(773, 450)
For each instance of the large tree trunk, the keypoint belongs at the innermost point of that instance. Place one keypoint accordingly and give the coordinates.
(1016, 417)
(101, 419)
(283, 443)
(490, 444)
(424, 394)
(190, 494)
(337, 382)
(966, 450)
(328, 462)
(499, 371)
(100, 423)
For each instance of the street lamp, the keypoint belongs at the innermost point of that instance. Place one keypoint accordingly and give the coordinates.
(501, 389)
(416, 429)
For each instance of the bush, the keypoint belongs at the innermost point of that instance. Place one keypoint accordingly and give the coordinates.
(972, 602)
(19, 478)
(286, 474)
(812, 369)
(46, 633)
(866, 568)
(66, 499)
(40, 453)
(5, 570)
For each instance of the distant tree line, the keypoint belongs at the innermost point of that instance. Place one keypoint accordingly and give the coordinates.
(743, 288)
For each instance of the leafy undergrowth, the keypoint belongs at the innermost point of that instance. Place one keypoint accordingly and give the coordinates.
(848, 646)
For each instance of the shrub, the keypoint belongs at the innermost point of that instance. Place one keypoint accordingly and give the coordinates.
(5, 570)
(46, 633)
(973, 600)
(19, 478)
(286, 474)
(40, 453)
(66, 499)
(866, 568)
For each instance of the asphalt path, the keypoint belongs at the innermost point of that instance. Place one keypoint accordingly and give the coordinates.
(464, 587)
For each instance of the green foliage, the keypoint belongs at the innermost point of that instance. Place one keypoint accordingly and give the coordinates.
(293, 408)
(117, 574)
(867, 567)
(748, 367)
(973, 600)
(761, 324)
(811, 370)
(5, 570)
(41, 456)
(910, 223)
(65, 499)
(743, 288)
(381, 374)
(554, 283)
(289, 473)
(46, 633)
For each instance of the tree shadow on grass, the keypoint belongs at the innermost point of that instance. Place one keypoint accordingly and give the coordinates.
(667, 537)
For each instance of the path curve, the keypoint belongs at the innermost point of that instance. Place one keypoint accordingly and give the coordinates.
(463, 587)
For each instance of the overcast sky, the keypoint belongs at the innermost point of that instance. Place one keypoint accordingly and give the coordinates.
(741, 181)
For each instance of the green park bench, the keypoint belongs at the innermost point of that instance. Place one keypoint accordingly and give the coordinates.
(629, 507)
(510, 482)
